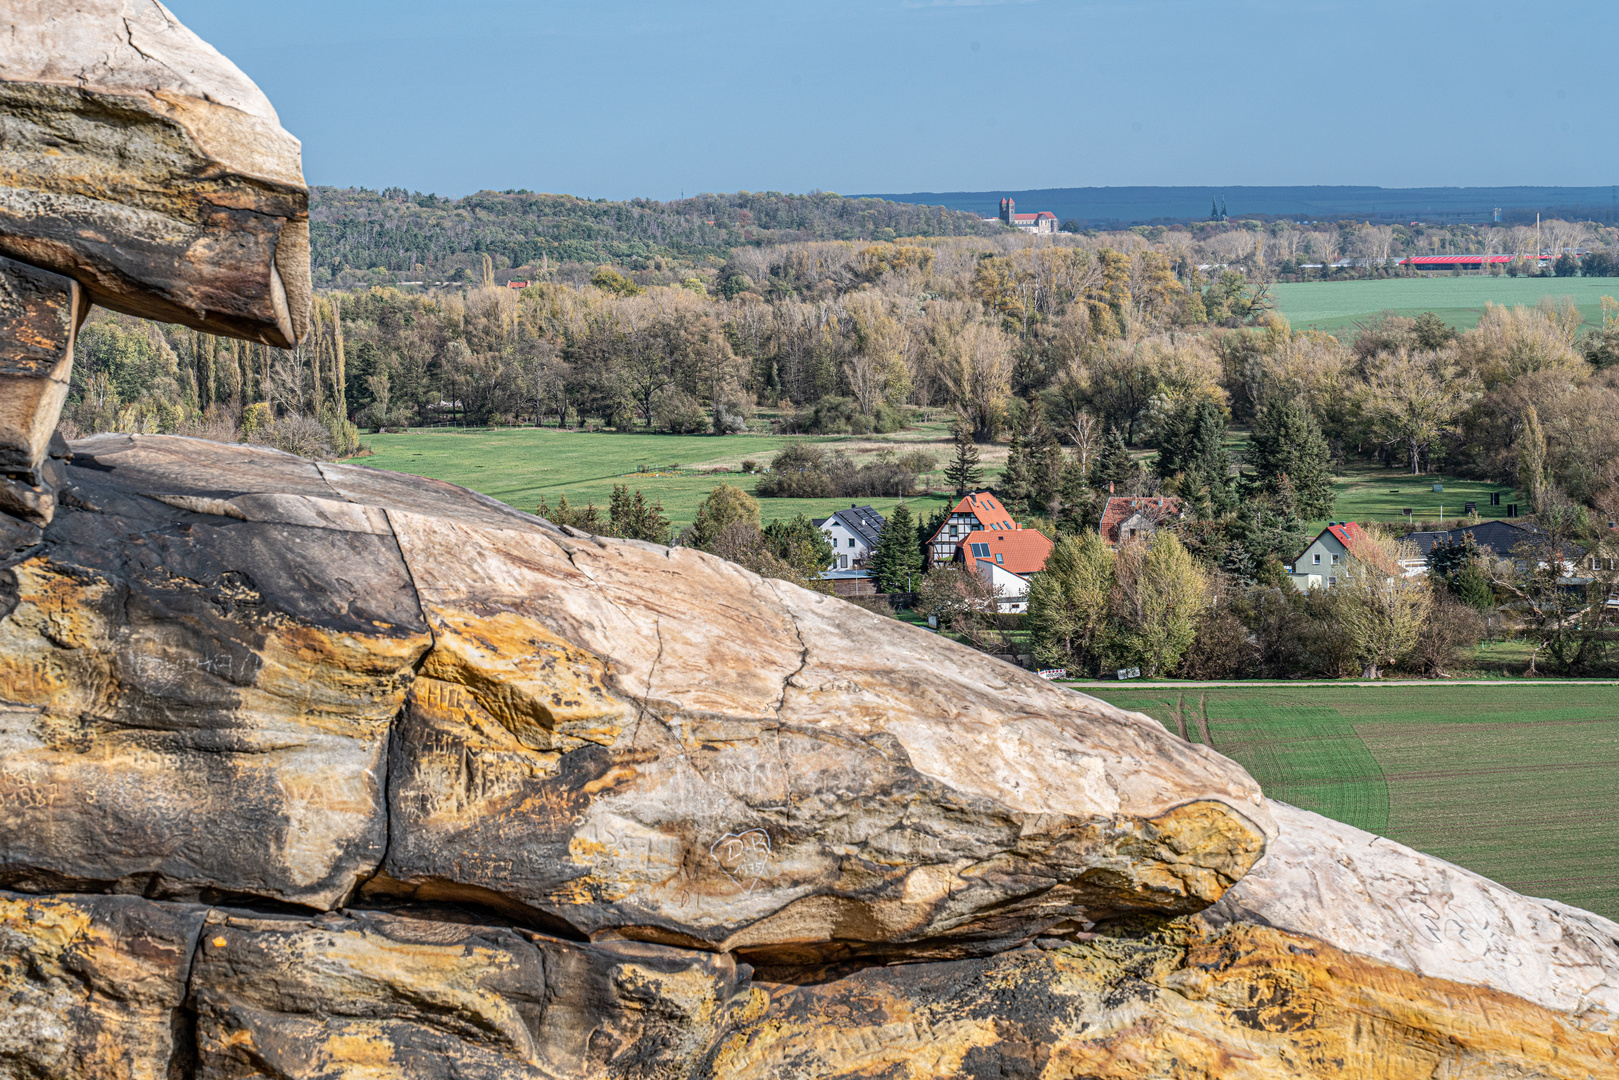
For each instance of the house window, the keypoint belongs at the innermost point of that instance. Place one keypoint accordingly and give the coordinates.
(953, 529)
(998, 558)
(1132, 534)
(1335, 560)
(1317, 558)
(980, 551)
(1332, 581)
(851, 541)
(843, 562)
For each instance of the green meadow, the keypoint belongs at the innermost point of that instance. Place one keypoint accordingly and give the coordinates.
(1335, 306)
(1518, 783)
(520, 465)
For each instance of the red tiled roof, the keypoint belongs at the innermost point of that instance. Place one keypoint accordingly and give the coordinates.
(1347, 532)
(1022, 551)
(982, 505)
(1118, 509)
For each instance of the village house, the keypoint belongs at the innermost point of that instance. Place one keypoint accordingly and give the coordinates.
(1318, 564)
(1506, 540)
(1137, 517)
(853, 534)
(979, 510)
(1007, 559)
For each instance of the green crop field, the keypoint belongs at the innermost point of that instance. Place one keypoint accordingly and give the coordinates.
(1518, 783)
(1334, 306)
(519, 465)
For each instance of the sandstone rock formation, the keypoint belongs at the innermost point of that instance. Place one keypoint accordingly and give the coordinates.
(138, 161)
(140, 170)
(413, 784)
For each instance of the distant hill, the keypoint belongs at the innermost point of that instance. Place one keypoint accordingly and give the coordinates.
(1116, 206)
(407, 233)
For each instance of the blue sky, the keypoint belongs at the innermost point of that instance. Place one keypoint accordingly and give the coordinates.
(618, 98)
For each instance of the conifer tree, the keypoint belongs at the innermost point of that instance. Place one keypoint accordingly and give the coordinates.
(1113, 464)
(1192, 453)
(896, 562)
(1288, 443)
(1017, 478)
(964, 472)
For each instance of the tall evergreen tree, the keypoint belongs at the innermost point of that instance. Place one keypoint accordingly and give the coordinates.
(964, 472)
(1193, 453)
(1113, 464)
(1017, 479)
(1288, 443)
(896, 562)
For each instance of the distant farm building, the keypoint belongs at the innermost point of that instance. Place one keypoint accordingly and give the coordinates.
(1043, 222)
(1478, 264)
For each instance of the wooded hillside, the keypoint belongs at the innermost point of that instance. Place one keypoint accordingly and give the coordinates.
(427, 237)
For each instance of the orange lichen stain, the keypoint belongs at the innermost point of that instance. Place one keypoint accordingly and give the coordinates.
(218, 943)
(360, 1046)
(548, 692)
(1187, 1001)
(618, 774)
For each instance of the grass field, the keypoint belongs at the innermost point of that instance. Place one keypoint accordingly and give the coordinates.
(1336, 305)
(519, 465)
(1518, 783)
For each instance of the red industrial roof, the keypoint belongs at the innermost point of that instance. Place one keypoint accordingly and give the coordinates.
(1022, 551)
(1463, 260)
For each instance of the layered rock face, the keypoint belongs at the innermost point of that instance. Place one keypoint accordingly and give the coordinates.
(138, 161)
(309, 770)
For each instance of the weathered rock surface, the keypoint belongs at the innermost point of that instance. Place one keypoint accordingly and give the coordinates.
(384, 995)
(93, 987)
(473, 796)
(1340, 955)
(611, 737)
(137, 160)
(193, 705)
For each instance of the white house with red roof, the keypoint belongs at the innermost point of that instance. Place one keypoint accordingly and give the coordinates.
(979, 510)
(1319, 565)
(1043, 222)
(1006, 559)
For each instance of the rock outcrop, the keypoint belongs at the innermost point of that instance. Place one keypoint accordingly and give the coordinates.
(410, 783)
(138, 161)
(139, 170)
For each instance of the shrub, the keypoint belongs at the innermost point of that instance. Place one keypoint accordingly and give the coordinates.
(1451, 628)
(1221, 648)
(805, 471)
(296, 434)
(679, 413)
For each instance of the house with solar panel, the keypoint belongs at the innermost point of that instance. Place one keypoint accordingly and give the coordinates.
(976, 511)
(1007, 559)
(853, 534)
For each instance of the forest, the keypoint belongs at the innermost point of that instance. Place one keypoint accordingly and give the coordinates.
(1115, 362)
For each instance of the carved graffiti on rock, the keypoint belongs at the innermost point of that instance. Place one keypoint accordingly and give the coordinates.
(743, 856)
